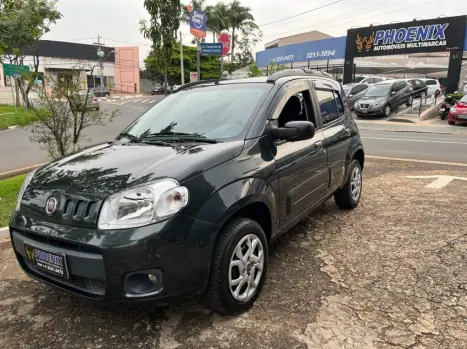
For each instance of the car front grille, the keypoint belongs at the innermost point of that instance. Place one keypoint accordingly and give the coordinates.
(364, 105)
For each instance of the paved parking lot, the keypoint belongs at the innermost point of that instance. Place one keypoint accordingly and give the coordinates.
(390, 275)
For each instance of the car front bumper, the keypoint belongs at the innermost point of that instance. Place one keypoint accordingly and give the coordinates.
(376, 111)
(101, 263)
(460, 118)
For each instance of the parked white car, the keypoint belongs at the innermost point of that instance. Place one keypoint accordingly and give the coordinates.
(433, 85)
(370, 80)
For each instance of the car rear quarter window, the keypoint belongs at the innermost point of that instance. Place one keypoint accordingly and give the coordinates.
(431, 82)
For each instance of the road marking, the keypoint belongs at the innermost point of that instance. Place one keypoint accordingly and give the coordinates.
(417, 161)
(440, 182)
(413, 140)
(153, 101)
(21, 169)
(145, 100)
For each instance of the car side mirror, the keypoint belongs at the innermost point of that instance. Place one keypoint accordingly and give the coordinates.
(295, 131)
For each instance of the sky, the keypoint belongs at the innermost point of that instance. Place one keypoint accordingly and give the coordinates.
(117, 21)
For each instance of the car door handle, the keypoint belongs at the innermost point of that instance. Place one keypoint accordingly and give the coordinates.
(319, 145)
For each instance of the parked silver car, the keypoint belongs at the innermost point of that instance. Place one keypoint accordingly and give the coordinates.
(353, 92)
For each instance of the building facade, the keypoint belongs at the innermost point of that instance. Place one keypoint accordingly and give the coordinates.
(117, 68)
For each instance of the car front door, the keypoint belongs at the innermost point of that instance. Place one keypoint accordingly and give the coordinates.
(337, 134)
(395, 95)
(302, 165)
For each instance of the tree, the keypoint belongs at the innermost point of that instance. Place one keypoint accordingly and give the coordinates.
(254, 71)
(162, 30)
(64, 110)
(25, 23)
(240, 18)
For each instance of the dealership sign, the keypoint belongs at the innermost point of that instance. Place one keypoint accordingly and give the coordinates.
(198, 23)
(440, 34)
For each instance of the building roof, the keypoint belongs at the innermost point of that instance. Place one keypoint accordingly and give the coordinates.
(62, 49)
(298, 38)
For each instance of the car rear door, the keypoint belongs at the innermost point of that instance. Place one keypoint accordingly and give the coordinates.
(337, 134)
(302, 166)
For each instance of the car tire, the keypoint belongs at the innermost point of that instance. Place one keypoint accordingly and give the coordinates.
(222, 294)
(451, 123)
(409, 102)
(107, 95)
(387, 110)
(349, 196)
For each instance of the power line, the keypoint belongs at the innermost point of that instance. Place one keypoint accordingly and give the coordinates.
(299, 14)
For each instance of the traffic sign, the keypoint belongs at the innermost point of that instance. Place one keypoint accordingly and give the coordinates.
(193, 76)
(224, 39)
(198, 23)
(211, 49)
(15, 70)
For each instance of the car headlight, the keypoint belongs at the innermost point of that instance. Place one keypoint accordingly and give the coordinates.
(23, 188)
(143, 205)
(376, 104)
(453, 110)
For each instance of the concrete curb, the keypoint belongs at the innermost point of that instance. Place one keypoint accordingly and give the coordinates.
(4, 234)
(406, 131)
(19, 171)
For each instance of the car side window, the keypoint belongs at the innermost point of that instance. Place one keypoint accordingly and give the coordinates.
(340, 106)
(328, 105)
(378, 79)
(358, 89)
(297, 108)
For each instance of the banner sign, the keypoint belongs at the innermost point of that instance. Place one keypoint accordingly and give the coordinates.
(320, 50)
(434, 35)
(15, 70)
(198, 23)
(211, 49)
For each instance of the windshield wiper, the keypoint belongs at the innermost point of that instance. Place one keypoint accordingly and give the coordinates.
(134, 139)
(180, 136)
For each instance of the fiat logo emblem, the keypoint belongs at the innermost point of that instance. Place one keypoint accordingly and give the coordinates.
(51, 206)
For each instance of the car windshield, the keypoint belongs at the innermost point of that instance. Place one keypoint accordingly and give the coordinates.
(378, 91)
(346, 89)
(214, 112)
(360, 78)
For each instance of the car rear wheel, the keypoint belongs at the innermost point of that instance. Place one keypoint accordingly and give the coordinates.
(349, 196)
(238, 267)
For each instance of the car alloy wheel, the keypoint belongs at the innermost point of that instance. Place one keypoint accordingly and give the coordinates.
(246, 268)
(410, 101)
(356, 184)
(387, 110)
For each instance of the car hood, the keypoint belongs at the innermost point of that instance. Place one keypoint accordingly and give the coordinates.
(461, 105)
(372, 100)
(108, 168)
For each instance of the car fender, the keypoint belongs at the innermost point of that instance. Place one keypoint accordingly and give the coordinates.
(354, 147)
(228, 200)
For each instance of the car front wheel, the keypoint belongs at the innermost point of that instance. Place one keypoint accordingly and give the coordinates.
(409, 101)
(349, 196)
(238, 267)
(387, 110)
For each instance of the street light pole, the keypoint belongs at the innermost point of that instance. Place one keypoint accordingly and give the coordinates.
(198, 55)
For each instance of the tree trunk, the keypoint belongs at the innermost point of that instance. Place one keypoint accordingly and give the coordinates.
(166, 69)
(233, 45)
(18, 102)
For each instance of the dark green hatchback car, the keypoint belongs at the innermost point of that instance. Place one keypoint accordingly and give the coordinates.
(188, 198)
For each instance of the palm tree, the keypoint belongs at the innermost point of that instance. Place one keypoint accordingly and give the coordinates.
(240, 17)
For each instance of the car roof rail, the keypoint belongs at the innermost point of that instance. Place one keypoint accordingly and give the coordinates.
(195, 83)
(298, 72)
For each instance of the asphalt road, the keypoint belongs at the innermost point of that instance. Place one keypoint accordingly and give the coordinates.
(438, 142)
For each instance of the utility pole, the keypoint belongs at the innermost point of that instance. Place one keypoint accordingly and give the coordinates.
(100, 55)
(182, 68)
(198, 55)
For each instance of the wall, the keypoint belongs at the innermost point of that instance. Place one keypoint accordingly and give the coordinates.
(127, 69)
(298, 38)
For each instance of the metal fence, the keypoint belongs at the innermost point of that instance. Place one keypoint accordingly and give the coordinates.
(421, 100)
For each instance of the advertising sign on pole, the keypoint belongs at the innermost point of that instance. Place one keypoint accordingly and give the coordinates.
(198, 23)
(224, 39)
(15, 70)
(193, 76)
(211, 49)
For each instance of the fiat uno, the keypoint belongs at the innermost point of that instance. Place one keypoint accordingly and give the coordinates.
(187, 199)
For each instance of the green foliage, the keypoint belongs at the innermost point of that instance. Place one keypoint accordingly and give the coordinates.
(274, 68)
(454, 97)
(162, 30)
(11, 117)
(9, 189)
(210, 65)
(254, 71)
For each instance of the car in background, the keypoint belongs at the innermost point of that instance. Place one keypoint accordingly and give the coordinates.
(419, 87)
(382, 98)
(100, 91)
(156, 90)
(458, 112)
(434, 87)
(370, 80)
(79, 100)
(353, 92)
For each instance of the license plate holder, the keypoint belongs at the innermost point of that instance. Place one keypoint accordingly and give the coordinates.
(51, 262)
(364, 111)
(462, 117)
